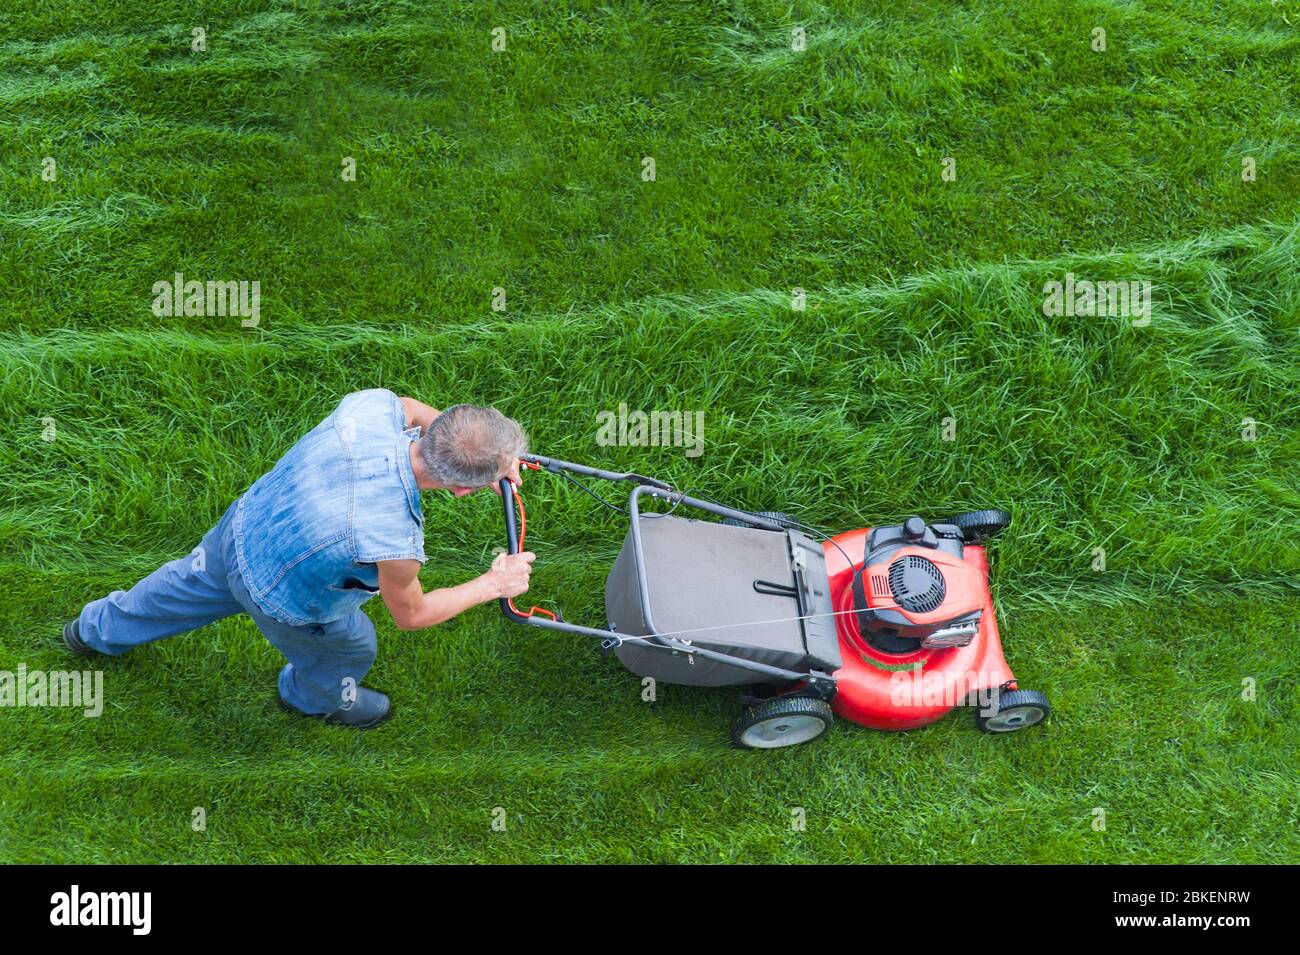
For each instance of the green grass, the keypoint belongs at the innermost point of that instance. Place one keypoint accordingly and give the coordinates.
(775, 170)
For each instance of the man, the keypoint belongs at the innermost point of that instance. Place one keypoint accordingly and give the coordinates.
(336, 521)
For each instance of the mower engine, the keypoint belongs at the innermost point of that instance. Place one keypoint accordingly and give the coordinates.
(915, 591)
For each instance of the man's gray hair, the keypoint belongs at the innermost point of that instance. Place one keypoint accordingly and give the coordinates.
(471, 446)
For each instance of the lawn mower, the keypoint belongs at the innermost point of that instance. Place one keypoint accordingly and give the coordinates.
(889, 627)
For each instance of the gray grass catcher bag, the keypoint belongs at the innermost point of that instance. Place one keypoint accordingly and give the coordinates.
(701, 574)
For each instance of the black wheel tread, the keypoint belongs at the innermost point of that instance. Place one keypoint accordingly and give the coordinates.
(1013, 698)
(779, 516)
(782, 706)
(980, 525)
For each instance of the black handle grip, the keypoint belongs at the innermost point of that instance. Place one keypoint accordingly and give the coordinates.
(512, 539)
(512, 522)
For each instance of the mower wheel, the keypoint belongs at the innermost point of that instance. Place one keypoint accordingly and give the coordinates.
(1016, 709)
(978, 526)
(784, 721)
(779, 516)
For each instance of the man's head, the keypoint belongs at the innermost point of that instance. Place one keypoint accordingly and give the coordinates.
(468, 447)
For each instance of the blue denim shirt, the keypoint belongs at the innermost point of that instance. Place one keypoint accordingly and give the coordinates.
(310, 532)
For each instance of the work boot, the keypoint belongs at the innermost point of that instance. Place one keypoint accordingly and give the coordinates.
(72, 640)
(368, 710)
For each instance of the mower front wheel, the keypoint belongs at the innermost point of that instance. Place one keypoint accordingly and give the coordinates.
(784, 721)
(978, 526)
(1014, 710)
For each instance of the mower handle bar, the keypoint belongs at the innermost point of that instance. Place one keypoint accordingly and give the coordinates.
(556, 466)
(653, 486)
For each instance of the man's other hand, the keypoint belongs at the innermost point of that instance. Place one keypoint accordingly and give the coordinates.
(514, 476)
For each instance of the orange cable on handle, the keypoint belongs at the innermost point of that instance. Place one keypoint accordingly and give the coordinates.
(523, 533)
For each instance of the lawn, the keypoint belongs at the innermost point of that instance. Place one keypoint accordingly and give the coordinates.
(516, 177)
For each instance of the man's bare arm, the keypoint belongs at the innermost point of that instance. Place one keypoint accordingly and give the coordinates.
(417, 412)
(413, 609)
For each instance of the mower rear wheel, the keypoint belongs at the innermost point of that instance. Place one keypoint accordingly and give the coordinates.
(1016, 710)
(784, 721)
(978, 526)
(779, 516)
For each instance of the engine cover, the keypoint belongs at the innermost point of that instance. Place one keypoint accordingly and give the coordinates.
(914, 589)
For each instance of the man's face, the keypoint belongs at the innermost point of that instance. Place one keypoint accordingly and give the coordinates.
(512, 473)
